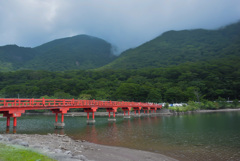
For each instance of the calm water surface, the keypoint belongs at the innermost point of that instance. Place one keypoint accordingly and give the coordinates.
(209, 136)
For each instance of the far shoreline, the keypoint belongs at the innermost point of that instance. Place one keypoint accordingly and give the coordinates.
(161, 112)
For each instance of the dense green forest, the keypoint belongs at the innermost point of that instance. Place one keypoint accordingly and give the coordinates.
(189, 81)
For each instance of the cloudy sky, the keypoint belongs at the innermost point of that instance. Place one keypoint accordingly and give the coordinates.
(124, 23)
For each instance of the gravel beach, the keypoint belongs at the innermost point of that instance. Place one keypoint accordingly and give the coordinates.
(63, 148)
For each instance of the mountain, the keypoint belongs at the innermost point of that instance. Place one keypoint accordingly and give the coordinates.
(177, 47)
(87, 52)
(13, 57)
(78, 52)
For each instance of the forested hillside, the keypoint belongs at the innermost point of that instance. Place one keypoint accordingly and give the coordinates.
(13, 57)
(189, 81)
(177, 47)
(78, 52)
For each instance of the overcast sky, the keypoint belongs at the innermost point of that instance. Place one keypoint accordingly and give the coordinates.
(124, 23)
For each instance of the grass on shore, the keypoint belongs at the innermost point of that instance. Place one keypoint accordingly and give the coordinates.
(12, 153)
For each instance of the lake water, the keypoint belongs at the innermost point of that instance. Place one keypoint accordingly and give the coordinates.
(208, 136)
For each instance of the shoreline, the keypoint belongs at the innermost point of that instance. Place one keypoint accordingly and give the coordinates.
(63, 148)
(162, 112)
(205, 111)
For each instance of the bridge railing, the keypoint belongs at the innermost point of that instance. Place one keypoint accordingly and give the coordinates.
(10, 102)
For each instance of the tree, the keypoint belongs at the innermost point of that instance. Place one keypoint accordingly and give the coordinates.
(62, 95)
(154, 96)
(174, 94)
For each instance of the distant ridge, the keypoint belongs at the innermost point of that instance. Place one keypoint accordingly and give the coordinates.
(77, 52)
(177, 47)
(83, 52)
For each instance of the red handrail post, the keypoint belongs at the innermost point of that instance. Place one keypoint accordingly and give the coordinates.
(73, 101)
(43, 101)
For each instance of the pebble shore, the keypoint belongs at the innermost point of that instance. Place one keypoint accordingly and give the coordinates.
(63, 148)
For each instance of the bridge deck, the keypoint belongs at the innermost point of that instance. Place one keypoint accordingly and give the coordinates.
(14, 107)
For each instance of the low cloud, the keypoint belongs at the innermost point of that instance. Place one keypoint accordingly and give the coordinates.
(125, 23)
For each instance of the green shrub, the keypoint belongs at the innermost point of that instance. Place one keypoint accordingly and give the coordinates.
(166, 105)
(221, 103)
(235, 103)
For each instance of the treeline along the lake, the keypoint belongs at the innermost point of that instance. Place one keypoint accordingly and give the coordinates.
(188, 81)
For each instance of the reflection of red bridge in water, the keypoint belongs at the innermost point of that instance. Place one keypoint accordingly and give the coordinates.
(12, 107)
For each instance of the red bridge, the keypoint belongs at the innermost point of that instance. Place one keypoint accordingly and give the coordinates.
(12, 107)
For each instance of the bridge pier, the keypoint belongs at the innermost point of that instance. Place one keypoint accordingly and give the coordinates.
(57, 111)
(146, 108)
(8, 121)
(113, 110)
(91, 109)
(14, 113)
(153, 111)
(59, 124)
(135, 111)
(89, 122)
(128, 109)
(14, 122)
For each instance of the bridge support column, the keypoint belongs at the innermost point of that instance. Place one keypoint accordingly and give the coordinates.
(135, 111)
(128, 110)
(8, 121)
(88, 115)
(14, 122)
(61, 111)
(59, 124)
(13, 112)
(113, 110)
(146, 108)
(153, 111)
(62, 119)
(56, 117)
(91, 109)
